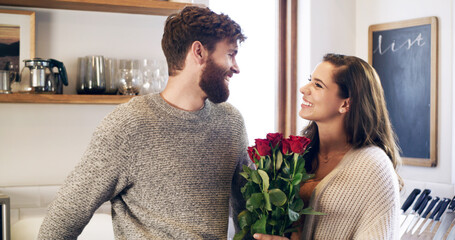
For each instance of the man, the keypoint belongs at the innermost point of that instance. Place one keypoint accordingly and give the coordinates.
(167, 161)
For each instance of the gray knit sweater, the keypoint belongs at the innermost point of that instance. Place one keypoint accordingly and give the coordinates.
(166, 172)
(360, 197)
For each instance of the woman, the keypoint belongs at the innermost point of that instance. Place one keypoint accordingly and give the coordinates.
(353, 154)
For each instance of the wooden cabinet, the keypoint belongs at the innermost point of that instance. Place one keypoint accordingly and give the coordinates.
(150, 7)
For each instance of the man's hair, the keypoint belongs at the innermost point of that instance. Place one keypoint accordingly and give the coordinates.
(195, 24)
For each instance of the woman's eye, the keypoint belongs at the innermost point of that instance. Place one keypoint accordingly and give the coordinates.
(318, 85)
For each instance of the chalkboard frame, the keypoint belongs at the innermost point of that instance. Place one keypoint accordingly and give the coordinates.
(433, 22)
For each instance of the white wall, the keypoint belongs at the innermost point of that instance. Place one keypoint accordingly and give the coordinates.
(326, 26)
(342, 27)
(41, 143)
(382, 11)
(253, 91)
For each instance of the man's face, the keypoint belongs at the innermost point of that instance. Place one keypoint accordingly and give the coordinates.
(219, 68)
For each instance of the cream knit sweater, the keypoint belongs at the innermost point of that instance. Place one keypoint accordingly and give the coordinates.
(360, 197)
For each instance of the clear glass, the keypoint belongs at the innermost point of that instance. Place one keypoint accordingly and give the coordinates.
(24, 85)
(95, 80)
(111, 69)
(81, 68)
(129, 77)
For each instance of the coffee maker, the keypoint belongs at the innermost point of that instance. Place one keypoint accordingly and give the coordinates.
(38, 76)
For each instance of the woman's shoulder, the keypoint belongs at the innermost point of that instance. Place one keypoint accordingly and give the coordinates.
(370, 155)
(371, 162)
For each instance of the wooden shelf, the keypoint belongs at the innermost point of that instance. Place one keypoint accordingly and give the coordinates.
(63, 98)
(150, 7)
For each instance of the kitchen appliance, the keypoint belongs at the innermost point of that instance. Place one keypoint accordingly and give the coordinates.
(6, 78)
(5, 225)
(38, 76)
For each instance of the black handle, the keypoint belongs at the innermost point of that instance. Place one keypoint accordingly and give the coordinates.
(452, 204)
(412, 196)
(419, 201)
(442, 209)
(61, 70)
(423, 205)
(438, 207)
(432, 203)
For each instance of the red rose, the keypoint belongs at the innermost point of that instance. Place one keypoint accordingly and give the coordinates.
(275, 138)
(263, 147)
(298, 144)
(285, 147)
(252, 153)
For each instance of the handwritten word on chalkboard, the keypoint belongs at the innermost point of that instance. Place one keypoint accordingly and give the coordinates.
(404, 55)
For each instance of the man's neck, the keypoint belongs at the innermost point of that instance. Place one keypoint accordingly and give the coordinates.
(183, 94)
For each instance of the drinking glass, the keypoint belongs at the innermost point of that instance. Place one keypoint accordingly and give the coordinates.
(129, 77)
(95, 80)
(111, 69)
(81, 67)
(161, 75)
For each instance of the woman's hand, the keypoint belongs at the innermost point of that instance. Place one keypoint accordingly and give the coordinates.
(268, 237)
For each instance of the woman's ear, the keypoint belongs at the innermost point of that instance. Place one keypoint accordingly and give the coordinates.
(198, 52)
(345, 106)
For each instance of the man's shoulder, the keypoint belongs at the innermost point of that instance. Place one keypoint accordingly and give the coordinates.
(138, 108)
(226, 108)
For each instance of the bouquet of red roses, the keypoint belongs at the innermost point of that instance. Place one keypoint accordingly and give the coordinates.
(272, 191)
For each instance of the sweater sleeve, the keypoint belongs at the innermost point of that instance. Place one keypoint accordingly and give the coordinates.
(237, 203)
(96, 179)
(381, 210)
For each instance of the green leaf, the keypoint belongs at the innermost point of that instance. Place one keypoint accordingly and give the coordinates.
(259, 225)
(277, 197)
(240, 235)
(300, 166)
(246, 169)
(245, 175)
(255, 201)
(268, 206)
(287, 171)
(249, 189)
(265, 180)
(245, 219)
(293, 216)
(297, 179)
(297, 205)
(279, 160)
(272, 222)
(255, 177)
(278, 213)
(267, 163)
(310, 211)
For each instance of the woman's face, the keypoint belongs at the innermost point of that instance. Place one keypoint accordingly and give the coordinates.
(321, 102)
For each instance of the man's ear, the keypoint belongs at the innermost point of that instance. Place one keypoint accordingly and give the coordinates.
(345, 106)
(199, 52)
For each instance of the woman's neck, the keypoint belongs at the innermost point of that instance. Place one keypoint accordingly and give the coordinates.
(332, 139)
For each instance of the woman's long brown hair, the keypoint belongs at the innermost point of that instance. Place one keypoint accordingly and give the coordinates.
(367, 121)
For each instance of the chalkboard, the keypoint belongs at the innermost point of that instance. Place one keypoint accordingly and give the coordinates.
(404, 55)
